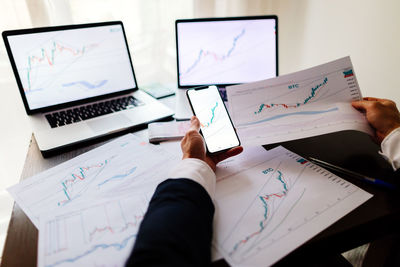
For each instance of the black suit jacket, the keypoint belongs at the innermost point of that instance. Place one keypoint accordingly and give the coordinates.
(177, 227)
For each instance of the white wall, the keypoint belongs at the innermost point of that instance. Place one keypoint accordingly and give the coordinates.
(314, 31)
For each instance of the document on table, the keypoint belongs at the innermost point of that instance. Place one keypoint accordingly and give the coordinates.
(307, 103)
(101, 234)
(117, 168)
(251, 156)
(165, 131)
(267, 210)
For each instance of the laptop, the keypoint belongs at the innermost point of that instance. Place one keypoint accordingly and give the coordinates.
(223, 52)
(77, 83)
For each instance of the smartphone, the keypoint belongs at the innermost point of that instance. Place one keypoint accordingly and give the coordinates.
(215, 124)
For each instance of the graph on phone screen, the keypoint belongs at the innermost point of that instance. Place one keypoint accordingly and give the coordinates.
(62, 66)
(215, 124)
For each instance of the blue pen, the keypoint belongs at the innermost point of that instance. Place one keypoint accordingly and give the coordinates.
(355, 175)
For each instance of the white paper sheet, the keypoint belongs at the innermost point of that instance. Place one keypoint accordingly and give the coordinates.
(117, 168)
(250, 157)
(173, 147)
(102, 234)
(268, 210)
(164, 131)
(302, 104)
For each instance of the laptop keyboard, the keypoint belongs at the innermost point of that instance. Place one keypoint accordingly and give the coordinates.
(90, 111)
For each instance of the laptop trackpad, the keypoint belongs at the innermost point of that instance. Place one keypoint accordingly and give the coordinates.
(109, 123)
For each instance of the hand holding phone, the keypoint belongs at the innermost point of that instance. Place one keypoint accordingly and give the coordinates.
(215, 123)
(193, 147)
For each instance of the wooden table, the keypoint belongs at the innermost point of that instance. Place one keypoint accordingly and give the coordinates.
(377, 217)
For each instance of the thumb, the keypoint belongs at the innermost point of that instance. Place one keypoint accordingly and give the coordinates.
(227, 154)
(194, 124)
(360, 105)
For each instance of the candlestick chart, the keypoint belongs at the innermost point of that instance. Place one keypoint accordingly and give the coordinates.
(117, 170)
(62, 66)
(298, 105)
(277, 206)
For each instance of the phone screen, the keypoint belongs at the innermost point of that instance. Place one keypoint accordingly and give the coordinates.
(215, 123)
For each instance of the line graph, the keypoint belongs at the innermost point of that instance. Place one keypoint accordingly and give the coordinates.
(118, 168)
(314, 101)
(118, 176)
(70, 182)
(102, 233)
(208, 123)
(226, 52)
(268, 202)
(214, 55)
(290, 114)
(48, 57)
(280, 212)
(116, 246)
(87, 84)
(312, 95)
(61, 66)
(214, 120)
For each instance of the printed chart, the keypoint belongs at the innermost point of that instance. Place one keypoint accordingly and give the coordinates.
(226, 51)
(116, 168)
(62, 66)
(298, 105)
(268, 210)
(100, 235)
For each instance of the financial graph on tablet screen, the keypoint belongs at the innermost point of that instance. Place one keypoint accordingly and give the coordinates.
(62, 66)
(226, 52)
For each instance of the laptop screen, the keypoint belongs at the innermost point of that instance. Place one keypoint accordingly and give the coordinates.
(226, 51)
(66, 65)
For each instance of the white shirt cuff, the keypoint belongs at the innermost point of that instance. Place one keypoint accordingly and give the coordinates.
(390, 147)
(198, 171)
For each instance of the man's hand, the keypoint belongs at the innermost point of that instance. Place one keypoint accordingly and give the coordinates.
(382, 115)
(193, 146)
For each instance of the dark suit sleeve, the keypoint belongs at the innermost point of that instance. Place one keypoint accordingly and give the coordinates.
(177, 227)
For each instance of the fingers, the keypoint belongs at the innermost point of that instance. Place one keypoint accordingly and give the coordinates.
(380, 100)
(370, 103)
(193, 132)
(192, 144)
(194, 123)
(367, 103)
(368, 98)
(234, 151)
(360, 105)
(227, 154)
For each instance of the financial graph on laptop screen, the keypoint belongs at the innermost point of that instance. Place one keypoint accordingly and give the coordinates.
(224, 52)
(61, 66)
